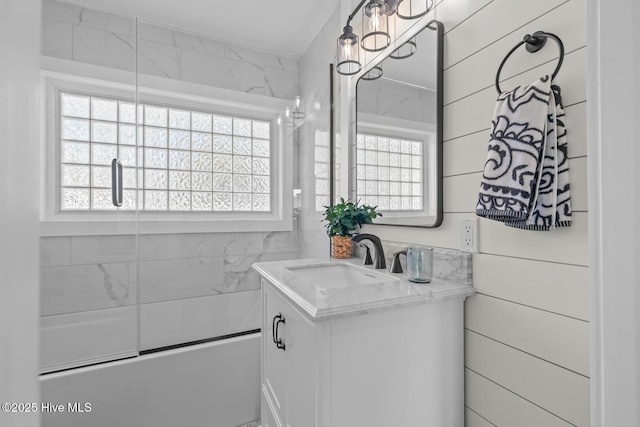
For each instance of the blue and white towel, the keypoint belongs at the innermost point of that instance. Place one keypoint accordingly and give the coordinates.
(526, 177)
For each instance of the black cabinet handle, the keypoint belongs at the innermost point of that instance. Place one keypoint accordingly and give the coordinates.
(277, 320)
(273, 328)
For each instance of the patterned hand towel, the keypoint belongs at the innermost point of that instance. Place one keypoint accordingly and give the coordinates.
(526, 177)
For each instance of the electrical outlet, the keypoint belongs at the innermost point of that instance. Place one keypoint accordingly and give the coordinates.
(469, 235)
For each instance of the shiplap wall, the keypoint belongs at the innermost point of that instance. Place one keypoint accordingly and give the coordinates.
(527, 330)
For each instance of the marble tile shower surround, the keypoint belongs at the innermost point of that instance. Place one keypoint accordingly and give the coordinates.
(99, 272)
(448, 264)
(85, 35)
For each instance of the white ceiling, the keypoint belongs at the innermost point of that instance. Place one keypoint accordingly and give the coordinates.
(281, 26)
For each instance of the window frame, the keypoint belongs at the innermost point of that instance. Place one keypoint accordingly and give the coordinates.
(67, 76)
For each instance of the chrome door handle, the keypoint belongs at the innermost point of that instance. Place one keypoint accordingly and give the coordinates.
(116, 182)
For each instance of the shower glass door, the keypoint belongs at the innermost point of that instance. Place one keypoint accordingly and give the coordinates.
(89, 238)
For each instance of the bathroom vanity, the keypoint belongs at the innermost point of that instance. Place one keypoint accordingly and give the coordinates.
(344, 345)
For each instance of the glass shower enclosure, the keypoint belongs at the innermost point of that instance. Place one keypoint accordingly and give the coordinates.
(156, 140)
(89, 228)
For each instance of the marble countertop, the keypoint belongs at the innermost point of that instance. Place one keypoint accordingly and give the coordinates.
(324, 302)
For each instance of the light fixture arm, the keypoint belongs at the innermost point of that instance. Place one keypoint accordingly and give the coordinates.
(353, 14)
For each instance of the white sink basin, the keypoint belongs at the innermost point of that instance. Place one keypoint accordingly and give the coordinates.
(340, 275)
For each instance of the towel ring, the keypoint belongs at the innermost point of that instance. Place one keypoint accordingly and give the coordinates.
(534, 43)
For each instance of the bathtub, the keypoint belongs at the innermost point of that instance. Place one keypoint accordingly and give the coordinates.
(216, 384)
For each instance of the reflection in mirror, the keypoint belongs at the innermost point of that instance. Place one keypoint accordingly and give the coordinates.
(399, 132)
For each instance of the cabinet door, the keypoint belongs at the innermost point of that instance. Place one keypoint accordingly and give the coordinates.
(300, 369)
(272, 357)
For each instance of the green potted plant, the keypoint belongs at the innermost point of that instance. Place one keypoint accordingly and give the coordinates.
(343, 220)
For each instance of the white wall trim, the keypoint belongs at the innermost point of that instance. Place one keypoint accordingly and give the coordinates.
(614, 183)
(595, 191)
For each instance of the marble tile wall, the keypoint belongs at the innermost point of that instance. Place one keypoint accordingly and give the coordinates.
(81, 34)
(190, 286)
(82, 273)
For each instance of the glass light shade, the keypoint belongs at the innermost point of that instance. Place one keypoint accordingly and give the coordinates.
(348, 53)
(375, 26)
(406, 50)
(414, 9)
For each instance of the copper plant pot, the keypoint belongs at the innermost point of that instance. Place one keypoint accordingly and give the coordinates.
(341, 247)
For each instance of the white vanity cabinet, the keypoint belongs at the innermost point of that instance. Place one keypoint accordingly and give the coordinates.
(395, 365)
(288, 368)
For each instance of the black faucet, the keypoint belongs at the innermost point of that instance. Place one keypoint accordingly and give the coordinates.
(377, 244)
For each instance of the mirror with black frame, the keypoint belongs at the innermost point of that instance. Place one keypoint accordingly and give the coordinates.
(398, 157)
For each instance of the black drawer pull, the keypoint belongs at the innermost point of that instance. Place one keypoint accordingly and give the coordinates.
(277, 320)
(273, 328)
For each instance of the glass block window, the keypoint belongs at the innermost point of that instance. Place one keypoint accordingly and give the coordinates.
(188, 160)
(389, 172)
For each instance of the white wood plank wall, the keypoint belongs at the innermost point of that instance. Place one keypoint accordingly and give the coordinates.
(527, 330)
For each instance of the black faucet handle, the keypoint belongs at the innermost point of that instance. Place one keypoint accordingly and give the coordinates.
(367, 257)
(396, 267)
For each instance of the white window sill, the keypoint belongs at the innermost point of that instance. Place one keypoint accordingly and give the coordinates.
(159, 226)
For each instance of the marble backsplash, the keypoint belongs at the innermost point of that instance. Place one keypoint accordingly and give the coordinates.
(448, 264)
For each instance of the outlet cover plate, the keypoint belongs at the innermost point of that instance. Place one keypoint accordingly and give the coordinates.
(469, 235)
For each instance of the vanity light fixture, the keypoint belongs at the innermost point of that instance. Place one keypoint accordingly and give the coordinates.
(414, 9)
(375, 31)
